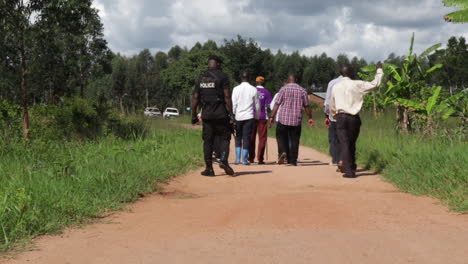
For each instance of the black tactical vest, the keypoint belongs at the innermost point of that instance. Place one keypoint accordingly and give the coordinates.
(212, 95)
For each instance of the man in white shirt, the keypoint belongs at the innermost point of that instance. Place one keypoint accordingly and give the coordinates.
(346, 103)
(246, 108)
(330, 123)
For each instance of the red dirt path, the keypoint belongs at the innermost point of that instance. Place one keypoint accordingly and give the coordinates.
(268, 214)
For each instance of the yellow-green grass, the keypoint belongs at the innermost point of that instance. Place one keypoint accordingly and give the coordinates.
(435, 166)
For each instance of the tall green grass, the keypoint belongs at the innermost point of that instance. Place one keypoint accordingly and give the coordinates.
(437, 166)
(47, 185)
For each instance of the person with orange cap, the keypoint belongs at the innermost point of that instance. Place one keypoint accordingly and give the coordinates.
(261, 125)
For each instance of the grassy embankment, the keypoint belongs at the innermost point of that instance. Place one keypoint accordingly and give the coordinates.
(437, 166)
(45, 186)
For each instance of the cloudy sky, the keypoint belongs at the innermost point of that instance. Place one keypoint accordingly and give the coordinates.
(364, 28)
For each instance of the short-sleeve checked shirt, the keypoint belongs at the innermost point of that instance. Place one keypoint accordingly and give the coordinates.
(292, 98)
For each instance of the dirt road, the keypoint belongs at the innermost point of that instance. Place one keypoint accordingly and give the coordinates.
(269, 214)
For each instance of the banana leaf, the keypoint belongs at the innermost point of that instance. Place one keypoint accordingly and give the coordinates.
(410, 104)
(456, 3)
(369, 69)
(460, 16)
(431, 102)
(434, 68)
(430, 50)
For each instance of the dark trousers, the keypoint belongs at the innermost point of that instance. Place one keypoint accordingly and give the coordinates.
(334, 143)
(216, 130)
(348, 128)
(277, 132)
(260, 126)
(288, 139)
(243, 133)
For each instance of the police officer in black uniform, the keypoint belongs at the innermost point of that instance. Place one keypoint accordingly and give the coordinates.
(212, 93)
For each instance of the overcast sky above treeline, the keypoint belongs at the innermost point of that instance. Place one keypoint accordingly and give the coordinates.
(371, 29)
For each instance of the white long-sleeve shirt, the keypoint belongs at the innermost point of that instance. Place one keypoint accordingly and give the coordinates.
(331, 84)
(245, 102)
(348, 95)
(272, 105)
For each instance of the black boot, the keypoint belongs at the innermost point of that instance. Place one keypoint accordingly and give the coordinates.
(209, 172)
(224, 164)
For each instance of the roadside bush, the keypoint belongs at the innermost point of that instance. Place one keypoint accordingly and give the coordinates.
(10, 119)
(73, 119)
(128, 127)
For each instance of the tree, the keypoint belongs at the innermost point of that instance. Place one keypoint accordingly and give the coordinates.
(210, 45)
(455, 60)
(460, 16)
(175, 53)
(244, 55)
(17, 24)
(179, 78)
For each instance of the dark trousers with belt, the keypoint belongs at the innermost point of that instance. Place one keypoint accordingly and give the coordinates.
(334, 143)
(216, 131)
(288, 140)
(260, 126)
(243, 133)
(348, 128)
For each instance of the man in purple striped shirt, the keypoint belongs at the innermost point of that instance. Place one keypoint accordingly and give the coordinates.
(293, 100)
(261, 125)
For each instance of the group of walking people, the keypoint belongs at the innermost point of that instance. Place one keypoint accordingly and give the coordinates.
(245, 114)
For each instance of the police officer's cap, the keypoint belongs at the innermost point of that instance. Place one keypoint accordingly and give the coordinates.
(215, 58)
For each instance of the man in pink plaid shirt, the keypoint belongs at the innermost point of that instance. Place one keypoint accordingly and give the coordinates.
(293, 100)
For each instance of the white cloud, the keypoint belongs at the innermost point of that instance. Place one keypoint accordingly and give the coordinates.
(365, 28)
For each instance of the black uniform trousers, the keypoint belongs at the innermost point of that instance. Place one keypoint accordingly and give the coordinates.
(348, 128)
(219, 129)
(289, 139)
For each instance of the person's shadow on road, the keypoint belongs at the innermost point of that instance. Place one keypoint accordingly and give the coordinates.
(245, 173)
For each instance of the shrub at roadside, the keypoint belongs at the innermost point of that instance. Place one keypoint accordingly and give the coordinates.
(72, 119)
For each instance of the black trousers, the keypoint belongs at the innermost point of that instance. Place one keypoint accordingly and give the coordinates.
(288, 140)
(348, 128)
(218, 130)
(334, 143)
(243, 133)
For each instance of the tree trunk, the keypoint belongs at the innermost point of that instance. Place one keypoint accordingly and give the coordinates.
(81, 82)
(24, 92)
(403, 119)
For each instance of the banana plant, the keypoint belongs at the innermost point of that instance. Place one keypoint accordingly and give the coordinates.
(406, 80)
(432, 109)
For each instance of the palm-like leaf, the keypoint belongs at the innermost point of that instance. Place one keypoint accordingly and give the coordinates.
(430, 50)
(434, 68)
(369, 68)
(433, 100)
(460, 16)
(456, 3)
(410, 104)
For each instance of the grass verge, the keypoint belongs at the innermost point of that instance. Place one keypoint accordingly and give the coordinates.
(46, 186)
(436, 166)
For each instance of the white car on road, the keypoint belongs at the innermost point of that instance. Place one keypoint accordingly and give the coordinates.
(152, 111)
(170, 112)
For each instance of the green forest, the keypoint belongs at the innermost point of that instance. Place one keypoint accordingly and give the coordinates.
(52, 50)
